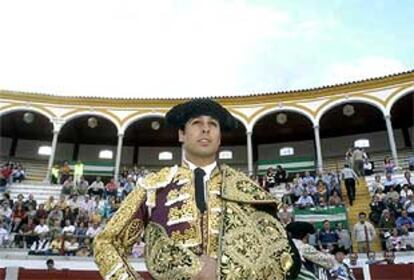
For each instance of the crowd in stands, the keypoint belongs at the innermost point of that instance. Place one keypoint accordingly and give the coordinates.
(11, 172)
(392, 210)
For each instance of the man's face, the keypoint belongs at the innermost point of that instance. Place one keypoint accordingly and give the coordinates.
(362, 218)
(201, 138)
(340, 257)
(326, 226)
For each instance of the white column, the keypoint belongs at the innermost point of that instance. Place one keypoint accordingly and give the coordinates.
(52, 155)
(249, 153)
(391, 139)
(118, 155)
(318, 148)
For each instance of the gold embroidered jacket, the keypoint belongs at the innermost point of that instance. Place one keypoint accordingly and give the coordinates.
(238, 229)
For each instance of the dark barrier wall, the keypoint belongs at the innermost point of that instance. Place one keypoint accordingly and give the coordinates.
(2, 273)
(392, 271)
(40, 274)
(358, 273)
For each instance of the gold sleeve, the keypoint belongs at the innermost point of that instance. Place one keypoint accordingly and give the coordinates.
(113, 245)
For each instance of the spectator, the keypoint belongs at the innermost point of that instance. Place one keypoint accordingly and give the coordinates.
(350, 177)
(56, 245)
(30, 202)
(411, 163)
(40, 246)
(68, 186)
(308, 179)
(377, 207)
(344, 237)
(55, 229)
(54, 216)
(404, 220)
(363, 232)
(335, 199)
(270, 179)
(96, 188)
(68, 214)
(71, 246)
(322, 190)
(408, 238)
(68, 229)
(78, 173)
(389, 165)
(405, 193)
(19, 214)
(389, 182)
(87, 204)
(41, 213)
(288, 195)
(93, 230)
(50, 264)
(358, 161)
(82, 186)
(327, 237)
(128, 187)
(395, 242)
(386, 225)
(55, 173)
(73, 202)
(62, 203)
(392, 194)
(64, 172)
(41, 228)
(50, 203)
(407, 179)
(409, 205)
(281, 175)
(285, 215)
(18, 174)
(6, 215)
(26, 235)
(4, 235)
(111, 189)
(305, 200)
(376, 185)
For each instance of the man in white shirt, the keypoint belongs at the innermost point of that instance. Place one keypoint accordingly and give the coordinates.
(363, 232)
(305, 200)
(93, 230)
(41, 228)
(41, 246)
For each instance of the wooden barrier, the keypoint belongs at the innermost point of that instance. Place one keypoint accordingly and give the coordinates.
(2, 273)
(392, 271)
(41, 274)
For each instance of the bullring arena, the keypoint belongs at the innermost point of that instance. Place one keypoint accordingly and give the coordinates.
(306, 132)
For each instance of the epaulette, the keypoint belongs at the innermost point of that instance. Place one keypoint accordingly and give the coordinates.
(157, 180)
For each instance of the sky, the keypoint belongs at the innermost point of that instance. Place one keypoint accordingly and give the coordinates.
(172, 49)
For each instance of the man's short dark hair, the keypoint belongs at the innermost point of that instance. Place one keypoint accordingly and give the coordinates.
(362, 214)
(50, 261)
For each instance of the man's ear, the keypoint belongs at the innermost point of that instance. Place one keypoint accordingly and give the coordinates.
(180, 135)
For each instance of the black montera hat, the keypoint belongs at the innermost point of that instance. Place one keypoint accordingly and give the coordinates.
(179, 115)
(298, 230)
(338, 249)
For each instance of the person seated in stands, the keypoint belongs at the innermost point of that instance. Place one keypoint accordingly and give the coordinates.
(281, 175)
(285, 215)
(395, 242)
(404, 220)
(56, 245)
(69, 214)
(6, 214)
(333, 183)
(74, 202)
(308, 179)
(62, 203)
(55, 173)
(335, 199)
(322, 190)
(83, 216)
(408, 237)
(80, 231)
(6, 198)
(327, 237)
(405, 193)
(86, 204)
(313, 192)
(389, 165)
(64, 172)
(97, 187)
(111, 188)
(288, 195)
(5, 173)
(344, 237)
(376, 185)
(82, 186)
(30, 201)
(69, 228)
(4, 235)
(18, 174)
(85, 250)
(298, 189)
(50, 203)
(409, 205)
(68, 186)
(270, 179)
(407, 180)
(411, 163)
(93, 230)
(392, 194)
(376, 209)
(18, 216)
(26, 235)
(386, 225)
(71, 246)
(19, 201)
(305, 200)
(368, 167)
(40, 246)
(55, 215)
(128, 187)
(55, 229)
(389, 181)
(394, 206)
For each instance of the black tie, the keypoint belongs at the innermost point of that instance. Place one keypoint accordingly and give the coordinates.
(199, 189)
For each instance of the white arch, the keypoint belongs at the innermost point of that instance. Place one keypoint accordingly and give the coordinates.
(70, 117)
(28, 108)
(397, 97)
(355, 99)
(140, 117)
(240, 119)
(280, 109)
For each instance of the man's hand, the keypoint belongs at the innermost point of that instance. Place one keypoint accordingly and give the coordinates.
(208, 272)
